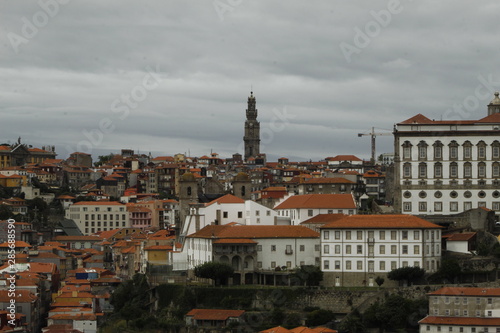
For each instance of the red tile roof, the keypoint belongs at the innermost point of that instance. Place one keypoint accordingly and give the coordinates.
(493, 118)
(76, 238)
(310, 201)
(277, 329)
(324, 218)
(255, 231)
(226, 199)
(460, 237)
(466, 291)
(381, 222)
(214, 314)
(460, 321)
(344, 158)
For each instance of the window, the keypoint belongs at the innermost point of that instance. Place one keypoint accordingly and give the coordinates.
(382, 266)
(422, 170)
(481, 170)
(490, 313)
(316, 247)
(407, 150)
(337, 264)
(393, 235)
(240, 215)
(467, 170)
(273, 248)
(407, 170)
(259, 247)
(407, 206)
(490, 300)
(359, 249)
(348, 265)
(359, 235)
(359, 265)
(416, 249)
(371, 266)
(438, 150)
(453, 170)
(326, 234)
(382, 249)
(382, 235)
(466, 313)
(273, 264)
(326, 249)
(393, 265)
(259, 264)
(393, 249)
(224, 215)
(405, 249)
(438, 170)
(422, 150)
(481, 150)
(467, 205)
(416, 235)
(302, 248)
(438, 206)
(337, 249)
(454, 206)
(326, 264)
(348, 235)
(337, 234)
(495, 170)
(404, 234)
(453, 150)
(257, 213)
(348, 249)
(310, 212)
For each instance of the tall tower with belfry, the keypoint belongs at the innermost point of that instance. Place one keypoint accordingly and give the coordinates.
(252, 130)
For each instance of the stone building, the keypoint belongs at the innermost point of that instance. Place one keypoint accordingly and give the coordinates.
(447, 166)
(252, 130)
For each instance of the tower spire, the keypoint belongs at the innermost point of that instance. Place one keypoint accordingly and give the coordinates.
(252, 129)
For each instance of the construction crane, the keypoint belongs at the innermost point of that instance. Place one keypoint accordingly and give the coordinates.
(374, 135)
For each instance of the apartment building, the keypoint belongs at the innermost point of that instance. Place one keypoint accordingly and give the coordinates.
(463, 309)
(94, 216)
(447, 166)
(358, 248)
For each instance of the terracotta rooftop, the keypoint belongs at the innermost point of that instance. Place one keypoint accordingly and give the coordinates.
(226, 199)
(235, 241)
(466, 291)
(344, 158)
(460, 321)
(324, 180)
(98, 203)
(214, 314)
(324, 218)
(460, 237)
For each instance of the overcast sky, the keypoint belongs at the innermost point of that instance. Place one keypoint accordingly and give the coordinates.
(168, 77)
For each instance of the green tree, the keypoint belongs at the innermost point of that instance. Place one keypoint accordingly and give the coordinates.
(5, 212)
(379, 281)
(450, 270)
(216, 271)
(352, 323)
(319, 317)
(308, 275)
(409, 274)
(130, 299)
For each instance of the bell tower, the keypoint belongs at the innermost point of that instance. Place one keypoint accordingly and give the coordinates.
(252, 130)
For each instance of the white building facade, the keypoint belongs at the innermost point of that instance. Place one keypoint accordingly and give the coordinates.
(358, 248)
(94, 216)
(447, 166)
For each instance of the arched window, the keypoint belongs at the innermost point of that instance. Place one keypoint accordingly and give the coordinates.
(438, 150)
(481, 150)
(189, 191)
(407, 150)
(243, 191)
(453, 146)
(422, 150)
(467, 150)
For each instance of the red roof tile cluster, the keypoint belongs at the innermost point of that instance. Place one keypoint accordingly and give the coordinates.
(324, 180)
(214, 314)
(400, 221)
(324, 218)
(466, 291)
(226, 199)
(460, 321)
(463, 237)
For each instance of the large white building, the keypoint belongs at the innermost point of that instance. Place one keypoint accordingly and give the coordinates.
(358, 248)
(228, 209)
(254, 251)
(299, 208)
(94, 216)
(447, 166)
(459, 309)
